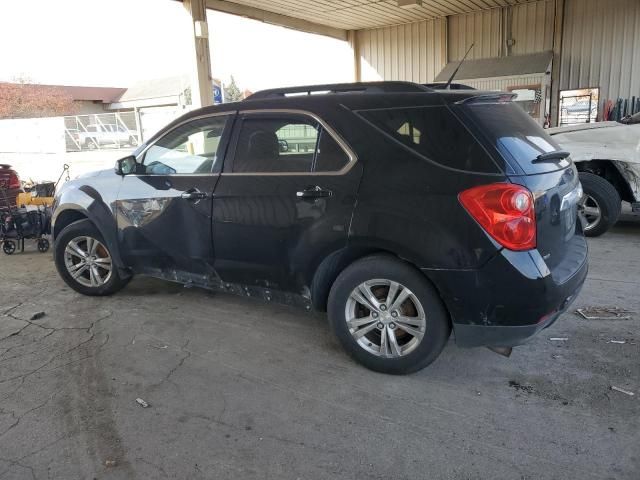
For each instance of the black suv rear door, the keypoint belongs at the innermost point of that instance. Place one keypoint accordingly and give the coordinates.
(284, 200)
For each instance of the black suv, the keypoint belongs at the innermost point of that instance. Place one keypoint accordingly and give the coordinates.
(402, 211)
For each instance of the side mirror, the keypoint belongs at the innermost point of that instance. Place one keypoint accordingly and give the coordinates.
(126, 165)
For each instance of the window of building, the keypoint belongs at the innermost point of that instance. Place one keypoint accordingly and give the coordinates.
(529, 97)
(579, 106)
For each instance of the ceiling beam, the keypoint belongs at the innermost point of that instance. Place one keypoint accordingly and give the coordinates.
(276, 19)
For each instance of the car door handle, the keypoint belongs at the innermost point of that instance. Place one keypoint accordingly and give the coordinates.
(314, 192)
(193, 195)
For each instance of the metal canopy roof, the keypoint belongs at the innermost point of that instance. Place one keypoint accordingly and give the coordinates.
(342, 15)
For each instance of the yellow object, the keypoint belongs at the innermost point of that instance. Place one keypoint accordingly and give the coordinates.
(26, 199)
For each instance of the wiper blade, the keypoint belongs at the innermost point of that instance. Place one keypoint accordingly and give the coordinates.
(551, 156)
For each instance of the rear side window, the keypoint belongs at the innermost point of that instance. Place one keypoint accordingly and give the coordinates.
(515, 135)
(276, 144)
(434, 133)
(286, 143)
(330, 157)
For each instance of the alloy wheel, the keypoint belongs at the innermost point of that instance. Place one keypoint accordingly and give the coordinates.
(589, 209)
(88, 261)
(385, 318)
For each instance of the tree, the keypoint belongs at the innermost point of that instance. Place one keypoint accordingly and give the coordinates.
(23, 79)
(232, 93)
(24, 100)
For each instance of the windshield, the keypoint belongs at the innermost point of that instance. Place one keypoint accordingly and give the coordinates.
(516, 136)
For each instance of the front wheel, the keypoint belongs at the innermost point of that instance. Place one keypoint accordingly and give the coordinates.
(387, 316)
(600, 205)
(84, 261)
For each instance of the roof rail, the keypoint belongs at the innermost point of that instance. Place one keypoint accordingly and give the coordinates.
(337, 88)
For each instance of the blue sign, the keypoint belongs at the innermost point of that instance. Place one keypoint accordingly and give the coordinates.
(217, 94)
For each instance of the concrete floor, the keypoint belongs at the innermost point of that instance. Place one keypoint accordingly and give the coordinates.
(241, 390)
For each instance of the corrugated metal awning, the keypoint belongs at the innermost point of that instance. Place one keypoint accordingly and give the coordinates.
(498, 67)
(359, 14)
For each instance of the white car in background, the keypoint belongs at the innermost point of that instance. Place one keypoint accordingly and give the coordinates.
(98, 135)
(607, 155)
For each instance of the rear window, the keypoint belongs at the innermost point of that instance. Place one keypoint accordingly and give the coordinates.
(516, 136)
(436, 134)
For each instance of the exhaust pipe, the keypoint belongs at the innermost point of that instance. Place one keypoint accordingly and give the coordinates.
(504, 351)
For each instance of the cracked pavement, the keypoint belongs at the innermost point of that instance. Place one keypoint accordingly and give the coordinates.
(239, 389)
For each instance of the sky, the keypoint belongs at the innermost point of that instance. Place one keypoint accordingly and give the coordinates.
(119, 42)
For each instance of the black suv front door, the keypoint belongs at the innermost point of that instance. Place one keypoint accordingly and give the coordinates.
(164, 209)
(284, 201)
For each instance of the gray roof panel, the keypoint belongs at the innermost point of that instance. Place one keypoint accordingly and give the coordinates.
(498, 67)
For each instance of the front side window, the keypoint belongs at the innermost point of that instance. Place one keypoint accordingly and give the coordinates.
(192, 148)
(286, 144)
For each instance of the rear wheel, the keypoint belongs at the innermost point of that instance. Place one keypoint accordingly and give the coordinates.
(387, 316)
(84, 261)
(600, 205)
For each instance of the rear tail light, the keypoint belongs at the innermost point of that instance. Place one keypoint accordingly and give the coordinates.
(14, 180)
(505, 211)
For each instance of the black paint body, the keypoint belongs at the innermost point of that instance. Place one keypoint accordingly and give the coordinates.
(253, 235)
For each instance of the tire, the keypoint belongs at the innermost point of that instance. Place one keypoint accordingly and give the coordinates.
(86, 282)
(599, 195)
(410, 353)
(43, 245)
(8, 247)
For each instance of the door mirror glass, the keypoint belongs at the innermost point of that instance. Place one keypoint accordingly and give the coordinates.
(126, 165)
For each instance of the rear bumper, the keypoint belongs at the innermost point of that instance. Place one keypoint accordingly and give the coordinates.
(506, 335)
(512, 298)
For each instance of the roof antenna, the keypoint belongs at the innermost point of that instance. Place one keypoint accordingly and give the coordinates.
(455, 72)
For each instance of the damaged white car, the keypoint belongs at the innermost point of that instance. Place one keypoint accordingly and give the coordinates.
(607, 155)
